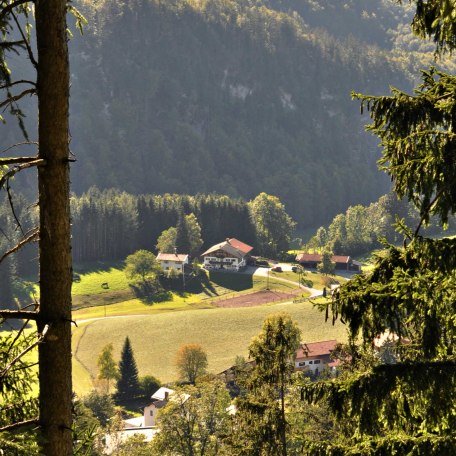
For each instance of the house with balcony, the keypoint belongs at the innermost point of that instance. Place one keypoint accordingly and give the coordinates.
(229, 255)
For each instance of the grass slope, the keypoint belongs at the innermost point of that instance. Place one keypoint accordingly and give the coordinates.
(224, 333)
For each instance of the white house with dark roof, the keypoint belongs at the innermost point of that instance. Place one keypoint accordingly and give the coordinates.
(174, 261)
(316, 356)
(159, 399)
(230, 255)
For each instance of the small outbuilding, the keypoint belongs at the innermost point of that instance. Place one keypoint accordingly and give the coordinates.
(342, 262)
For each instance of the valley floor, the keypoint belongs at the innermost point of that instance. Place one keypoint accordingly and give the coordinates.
(222, 315)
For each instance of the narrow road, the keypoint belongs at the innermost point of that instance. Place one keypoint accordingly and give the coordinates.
(263, 272)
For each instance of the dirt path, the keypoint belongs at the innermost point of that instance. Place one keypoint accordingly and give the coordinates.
(256, 299)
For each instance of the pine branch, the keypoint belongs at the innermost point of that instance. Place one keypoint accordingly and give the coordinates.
(10, 7)
(25, 351)
(5, 45)
(14, 426)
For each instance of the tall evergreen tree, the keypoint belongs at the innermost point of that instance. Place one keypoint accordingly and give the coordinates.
(128, 382)
(182, 235)
(261, 421)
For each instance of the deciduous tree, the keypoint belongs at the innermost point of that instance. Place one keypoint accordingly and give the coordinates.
(273, 225)
(326, 266)
(142, 266)
(191, 362)
(107, 367)
(194, 421)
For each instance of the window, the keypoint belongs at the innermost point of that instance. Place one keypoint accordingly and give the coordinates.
(151, 413)
(302, 364)
(310, 362)
(317, 361)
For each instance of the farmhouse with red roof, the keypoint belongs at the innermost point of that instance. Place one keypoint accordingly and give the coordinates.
(315, 356)
(230, 255)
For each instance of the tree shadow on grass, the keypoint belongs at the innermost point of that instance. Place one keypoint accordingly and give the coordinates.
(234, 281)
(96, 266)
(150, 296)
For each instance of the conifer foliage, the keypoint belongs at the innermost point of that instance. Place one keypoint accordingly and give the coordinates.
(407, 407)
(128, 382)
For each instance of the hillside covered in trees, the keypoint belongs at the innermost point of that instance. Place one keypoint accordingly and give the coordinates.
(235, 97)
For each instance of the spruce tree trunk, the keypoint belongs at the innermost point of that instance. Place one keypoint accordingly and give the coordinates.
(55, 251)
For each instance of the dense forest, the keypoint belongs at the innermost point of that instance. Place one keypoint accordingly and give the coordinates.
(234, 97)
(109, 225)
(361, 229)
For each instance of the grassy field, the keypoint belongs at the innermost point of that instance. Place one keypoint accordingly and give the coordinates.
(224, 333)
(122, 301)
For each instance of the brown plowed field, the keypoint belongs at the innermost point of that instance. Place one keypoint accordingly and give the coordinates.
(256, 299)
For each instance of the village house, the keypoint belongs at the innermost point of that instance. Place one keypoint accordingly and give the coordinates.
(313, 357)
(159, 399)
(173, 261)
(230, 255)
(342, 262)
(316, 356)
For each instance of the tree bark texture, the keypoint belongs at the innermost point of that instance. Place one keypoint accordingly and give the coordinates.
(55, 251)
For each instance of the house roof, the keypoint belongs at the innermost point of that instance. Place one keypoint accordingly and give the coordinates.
(160, 394)
(316, 349)
(309, 257)
(231, 246)
(340, 258)
(243, 247)
(172, 257)
(305, 257)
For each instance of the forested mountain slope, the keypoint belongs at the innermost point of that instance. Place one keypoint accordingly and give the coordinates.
(225, 95)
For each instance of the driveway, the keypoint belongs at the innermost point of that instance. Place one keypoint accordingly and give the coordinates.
(263, 272)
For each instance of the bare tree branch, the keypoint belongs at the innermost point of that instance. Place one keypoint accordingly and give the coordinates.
(21, 81)
(23, 143)
(14, 426)
(16, 160)
(18, 335)
(13, 211)
(27, 44)
(16, 169)
(14, 98)
(9, 8)
(30, 238)
(19, 314)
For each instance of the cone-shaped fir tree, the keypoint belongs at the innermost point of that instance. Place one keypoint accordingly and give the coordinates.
(127, 384)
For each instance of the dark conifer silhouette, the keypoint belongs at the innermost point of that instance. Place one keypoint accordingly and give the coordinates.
(128, 383)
